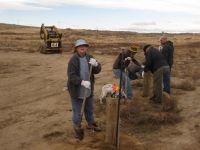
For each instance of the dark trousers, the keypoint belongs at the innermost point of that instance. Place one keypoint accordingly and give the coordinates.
(166, 80)
(157, 85)
(159, 76)
(88, 111)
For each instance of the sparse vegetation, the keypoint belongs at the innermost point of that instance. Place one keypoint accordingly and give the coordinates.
(184, 84)
(150, 116)
(31, 92)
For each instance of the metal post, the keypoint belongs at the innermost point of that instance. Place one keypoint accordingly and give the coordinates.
(118, 104)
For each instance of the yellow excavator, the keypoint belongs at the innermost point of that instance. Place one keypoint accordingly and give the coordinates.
(52, 39)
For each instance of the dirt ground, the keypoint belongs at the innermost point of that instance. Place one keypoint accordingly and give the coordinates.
(35, 108)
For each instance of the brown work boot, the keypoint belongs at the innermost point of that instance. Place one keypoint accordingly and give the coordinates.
(94, 127)
(79, 132)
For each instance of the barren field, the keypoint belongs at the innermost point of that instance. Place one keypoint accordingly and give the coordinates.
(35, 109)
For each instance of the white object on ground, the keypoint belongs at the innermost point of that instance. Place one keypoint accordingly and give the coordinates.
(107, 89)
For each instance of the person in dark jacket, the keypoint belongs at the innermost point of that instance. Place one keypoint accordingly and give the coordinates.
(128, 56)
(167, 49)
(80, 85)
(155, 62)
(135, 71)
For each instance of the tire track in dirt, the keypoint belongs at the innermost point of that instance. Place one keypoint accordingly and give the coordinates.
(31, 101)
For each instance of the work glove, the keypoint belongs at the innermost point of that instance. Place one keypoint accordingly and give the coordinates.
(128, 58)
(86, 84)
(142, 74)
(160, 48)
(142, 66)
(93, 62)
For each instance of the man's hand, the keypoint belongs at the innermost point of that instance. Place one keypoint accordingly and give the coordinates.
(93, 62)
(86, 84)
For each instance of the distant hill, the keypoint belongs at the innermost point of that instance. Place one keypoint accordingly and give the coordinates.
(26, 38)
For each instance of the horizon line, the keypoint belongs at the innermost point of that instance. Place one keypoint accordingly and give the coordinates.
(107, 30)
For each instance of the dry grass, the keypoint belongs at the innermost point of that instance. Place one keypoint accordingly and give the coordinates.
(195, 74)
(140, 117)
(183, 84)
(144, 117)
(169, 102)
(24, 38)
(137, 83)
(187, 85)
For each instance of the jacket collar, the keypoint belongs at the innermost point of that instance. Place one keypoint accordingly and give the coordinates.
(87, 56)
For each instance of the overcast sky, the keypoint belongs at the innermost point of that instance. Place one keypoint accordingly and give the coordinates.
(130, 15)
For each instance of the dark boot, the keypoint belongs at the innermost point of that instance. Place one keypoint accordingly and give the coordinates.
(152, 98)
(154, 101)
(94, 127)
(79, 132)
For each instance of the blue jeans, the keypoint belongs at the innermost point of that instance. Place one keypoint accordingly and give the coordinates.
(125, 79)
(88, 111)
(166, 80)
